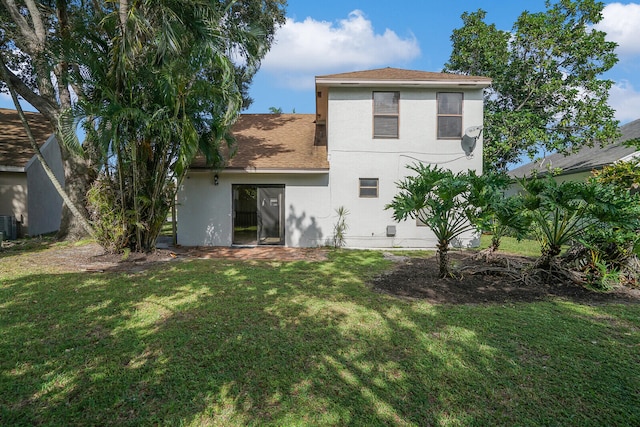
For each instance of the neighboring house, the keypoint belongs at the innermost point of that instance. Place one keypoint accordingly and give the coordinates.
(579, 165)
(292, 172)
(27, 196)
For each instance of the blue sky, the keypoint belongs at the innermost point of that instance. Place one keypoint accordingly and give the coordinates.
(332, 36)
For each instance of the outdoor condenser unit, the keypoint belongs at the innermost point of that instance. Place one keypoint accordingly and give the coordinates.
(8, 227)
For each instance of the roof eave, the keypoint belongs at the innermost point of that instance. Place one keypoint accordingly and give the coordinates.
(250, 169)
(19, 169)
(465, 84)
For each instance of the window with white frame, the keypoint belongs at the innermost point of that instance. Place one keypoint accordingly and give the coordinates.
(449, 115)
(368, 187)
(386, 111)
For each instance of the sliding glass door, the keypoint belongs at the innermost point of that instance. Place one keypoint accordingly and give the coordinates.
(258, 214)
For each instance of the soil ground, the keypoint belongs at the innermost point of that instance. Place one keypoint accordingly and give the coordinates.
(414, 278)
(92, 258)
(418, 278)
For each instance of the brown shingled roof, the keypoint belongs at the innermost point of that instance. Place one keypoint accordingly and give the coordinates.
(276, 141)
(400, 74)
(15, 149)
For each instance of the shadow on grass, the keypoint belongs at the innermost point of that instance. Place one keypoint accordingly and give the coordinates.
(232, 343)
(29, 245)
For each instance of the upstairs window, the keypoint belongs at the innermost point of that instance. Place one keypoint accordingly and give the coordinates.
(368, 187)
(449, 115)
(385, 114)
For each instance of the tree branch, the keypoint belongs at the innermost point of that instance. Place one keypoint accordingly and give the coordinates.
(40, 103)
(27, 32)
(38, 27)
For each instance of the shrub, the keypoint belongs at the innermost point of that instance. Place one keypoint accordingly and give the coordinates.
(106, 213)
(559, 214)
(497, 214)
(340, 227)
(599, 219)
(615, 241)
(439, 199)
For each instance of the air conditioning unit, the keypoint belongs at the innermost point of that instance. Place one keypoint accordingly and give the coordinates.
(8, 227)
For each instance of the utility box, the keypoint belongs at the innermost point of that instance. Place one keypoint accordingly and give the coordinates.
(391, 230)
(8, 227)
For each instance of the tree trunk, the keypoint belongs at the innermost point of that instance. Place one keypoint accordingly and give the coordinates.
(443, 260)
(495, 244)
(79, 176)
(548, 254)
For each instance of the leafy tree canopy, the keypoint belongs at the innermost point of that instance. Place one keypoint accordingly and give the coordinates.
(546, 91)
(155, 81)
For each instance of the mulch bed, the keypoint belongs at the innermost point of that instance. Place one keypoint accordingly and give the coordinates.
(418, 278)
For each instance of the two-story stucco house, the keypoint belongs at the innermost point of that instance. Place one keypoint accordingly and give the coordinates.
(292, 172)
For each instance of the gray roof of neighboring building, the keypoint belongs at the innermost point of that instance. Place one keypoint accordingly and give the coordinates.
(587, 158)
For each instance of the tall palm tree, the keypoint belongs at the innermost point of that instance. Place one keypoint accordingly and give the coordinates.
(62, 56)
(168, 91)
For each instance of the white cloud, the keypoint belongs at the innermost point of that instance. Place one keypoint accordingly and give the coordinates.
(307, 48)
(625, 99)
(621, 22)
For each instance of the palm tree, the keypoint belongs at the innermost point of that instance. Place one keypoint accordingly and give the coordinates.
(121, 43)
(439, 199)
(168, 91)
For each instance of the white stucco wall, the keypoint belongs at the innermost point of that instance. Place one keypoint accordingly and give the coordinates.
(205, 209)
(45, 204)
(355, 154)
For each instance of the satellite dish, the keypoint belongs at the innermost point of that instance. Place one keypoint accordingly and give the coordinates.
(473, 132)
(471, 135)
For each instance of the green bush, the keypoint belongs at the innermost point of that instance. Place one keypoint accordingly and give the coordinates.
(497, 214)
(439, 199)
(599, 219)
(106, 213)
(615, 240)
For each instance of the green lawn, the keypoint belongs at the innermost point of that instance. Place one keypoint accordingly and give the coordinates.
(526, 247)
(219, 342)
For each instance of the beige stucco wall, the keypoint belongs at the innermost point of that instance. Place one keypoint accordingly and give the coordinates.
(355, 154)
(30, 196)
(13, 195)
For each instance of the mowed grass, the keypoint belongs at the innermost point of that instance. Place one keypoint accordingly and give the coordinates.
(226, 343)
(510, 245)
